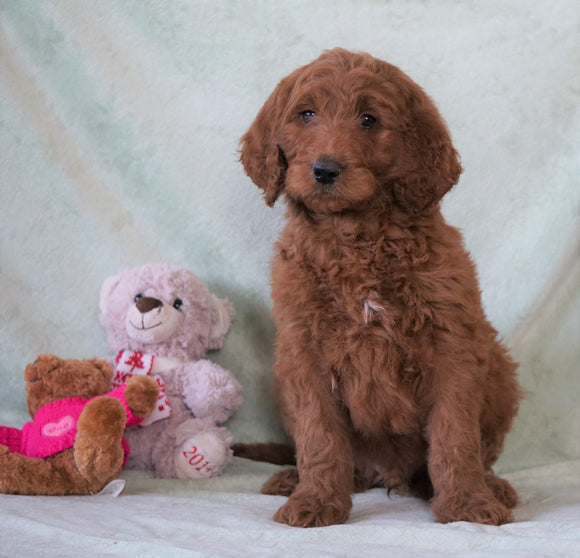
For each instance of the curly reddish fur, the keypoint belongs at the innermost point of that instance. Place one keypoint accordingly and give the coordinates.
(387, 371)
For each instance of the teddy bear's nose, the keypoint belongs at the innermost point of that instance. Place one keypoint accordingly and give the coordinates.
(146, 304)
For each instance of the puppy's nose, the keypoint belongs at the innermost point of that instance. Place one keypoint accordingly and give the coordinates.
(146, 304)
(326, 170)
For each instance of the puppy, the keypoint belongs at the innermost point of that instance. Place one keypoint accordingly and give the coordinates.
(387, 371)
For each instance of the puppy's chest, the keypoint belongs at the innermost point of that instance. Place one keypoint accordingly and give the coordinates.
(365, 313)
(362, 293)
(343, 287)
(372, 368)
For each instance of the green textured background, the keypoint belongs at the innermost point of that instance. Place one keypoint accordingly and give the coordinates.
(119, 128)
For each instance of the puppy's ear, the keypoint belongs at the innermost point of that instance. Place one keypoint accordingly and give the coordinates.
(260, 152)
(428, 163)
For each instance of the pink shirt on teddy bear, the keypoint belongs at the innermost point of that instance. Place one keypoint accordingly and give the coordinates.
(55, 426)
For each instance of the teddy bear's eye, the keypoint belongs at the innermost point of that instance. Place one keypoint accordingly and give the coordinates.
(137, 297)
(177, 303)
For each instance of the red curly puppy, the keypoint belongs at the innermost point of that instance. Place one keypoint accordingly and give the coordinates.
(387, 371)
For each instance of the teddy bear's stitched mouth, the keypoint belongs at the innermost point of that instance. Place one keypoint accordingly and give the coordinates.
(143, 328)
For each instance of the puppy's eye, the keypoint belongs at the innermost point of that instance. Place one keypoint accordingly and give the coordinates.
(307, 116)
(137, 297)
(177, 303)
(368, 121)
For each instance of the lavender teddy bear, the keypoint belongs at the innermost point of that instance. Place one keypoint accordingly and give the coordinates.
(160, 320)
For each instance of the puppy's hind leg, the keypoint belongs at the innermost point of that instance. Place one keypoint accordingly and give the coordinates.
(282, 483)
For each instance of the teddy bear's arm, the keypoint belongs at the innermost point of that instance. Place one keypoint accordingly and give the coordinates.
(138, 397)
(210, 391)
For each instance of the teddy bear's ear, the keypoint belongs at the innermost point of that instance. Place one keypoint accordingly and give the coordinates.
(107, 288)
(222, 314)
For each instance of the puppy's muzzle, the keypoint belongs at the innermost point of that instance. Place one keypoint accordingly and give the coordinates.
(326, 170)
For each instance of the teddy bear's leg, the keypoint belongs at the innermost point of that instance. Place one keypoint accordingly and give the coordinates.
(98, 453)
(53, 476)
(202, 450)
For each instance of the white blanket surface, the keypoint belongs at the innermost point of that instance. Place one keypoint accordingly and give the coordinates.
(228, 517)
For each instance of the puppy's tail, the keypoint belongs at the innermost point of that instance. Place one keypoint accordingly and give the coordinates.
(278, 454)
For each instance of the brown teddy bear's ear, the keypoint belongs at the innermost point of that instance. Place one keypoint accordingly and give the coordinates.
(260, 151)
(427, 163)
(39, 393)
(43, 365)
(222, 314)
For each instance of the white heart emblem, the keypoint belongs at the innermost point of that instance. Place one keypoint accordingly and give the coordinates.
(55, 429)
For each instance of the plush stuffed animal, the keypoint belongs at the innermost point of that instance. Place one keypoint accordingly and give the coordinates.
(160, 320)
(75, 443)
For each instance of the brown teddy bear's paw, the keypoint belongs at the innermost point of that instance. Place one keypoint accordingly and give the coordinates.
(282, 483)
(141, 394)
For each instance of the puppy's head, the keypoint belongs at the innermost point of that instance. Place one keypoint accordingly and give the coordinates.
(346, 129)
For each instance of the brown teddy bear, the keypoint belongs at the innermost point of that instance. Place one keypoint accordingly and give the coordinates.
(75, 443)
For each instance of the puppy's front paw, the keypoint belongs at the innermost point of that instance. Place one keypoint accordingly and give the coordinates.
(475, 508)
(502, 490)
(311, 511)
